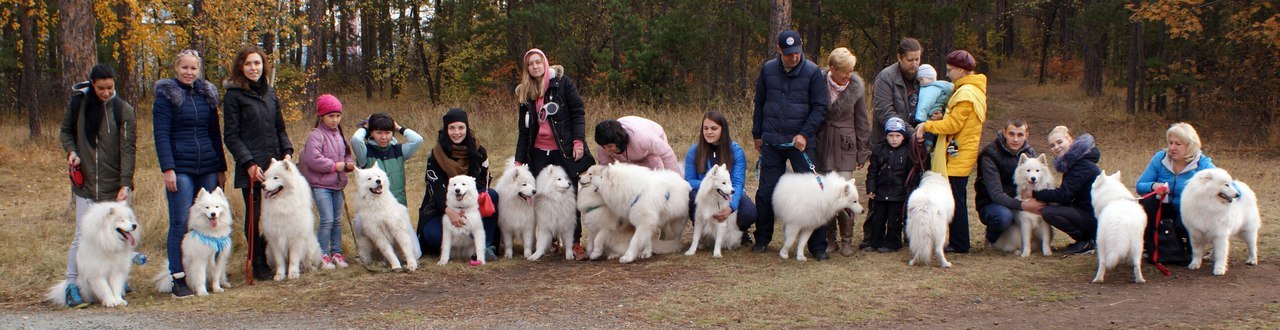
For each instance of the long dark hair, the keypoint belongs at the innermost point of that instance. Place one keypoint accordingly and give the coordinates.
(237, 66)
(724, 149)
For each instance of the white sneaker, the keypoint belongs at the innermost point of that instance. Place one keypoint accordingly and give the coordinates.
(327, 262)
(340, 260)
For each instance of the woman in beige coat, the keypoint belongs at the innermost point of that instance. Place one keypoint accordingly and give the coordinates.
(843, 140)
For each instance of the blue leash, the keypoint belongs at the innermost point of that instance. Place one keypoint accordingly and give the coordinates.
(807, 161)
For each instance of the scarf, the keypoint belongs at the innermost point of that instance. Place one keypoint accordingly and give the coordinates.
(259, 86)
(453, 162)
(94, 108)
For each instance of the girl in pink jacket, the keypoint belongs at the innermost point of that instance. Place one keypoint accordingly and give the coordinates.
(325, 160)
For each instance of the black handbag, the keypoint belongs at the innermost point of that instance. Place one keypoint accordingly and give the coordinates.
(1171, 245)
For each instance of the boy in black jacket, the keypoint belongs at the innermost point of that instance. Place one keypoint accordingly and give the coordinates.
(887, 188)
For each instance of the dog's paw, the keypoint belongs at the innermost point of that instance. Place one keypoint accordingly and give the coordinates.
(278, 277)
(1195, 264)
(397, 270)
(534, 257)
(944, 264)
(1097, 280)
(626, 259)
(689, 253)
(412, 266)
(443, 262)
(202, 293)
(218, 290)
(1139, 280)
(717, 255)
(912, 262)
(1219, 271)
(1252, 261)
(801, 257)
(784, 254)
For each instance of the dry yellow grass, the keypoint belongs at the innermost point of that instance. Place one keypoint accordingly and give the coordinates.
(742, 290)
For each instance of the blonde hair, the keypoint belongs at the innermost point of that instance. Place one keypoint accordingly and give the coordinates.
(842, 59)
(189, 52)
(530, 88)
(1059, 130)
(1186, 133)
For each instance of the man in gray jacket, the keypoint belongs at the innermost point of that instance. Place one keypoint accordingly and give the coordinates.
(896, 89)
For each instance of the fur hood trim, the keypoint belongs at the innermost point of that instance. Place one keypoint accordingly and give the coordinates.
(1082, 149)
(173, 90)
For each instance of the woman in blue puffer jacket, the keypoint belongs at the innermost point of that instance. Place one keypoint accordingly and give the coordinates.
(189, 148)
(1170, 169)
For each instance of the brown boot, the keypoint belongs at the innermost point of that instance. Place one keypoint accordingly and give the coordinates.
(846, 247)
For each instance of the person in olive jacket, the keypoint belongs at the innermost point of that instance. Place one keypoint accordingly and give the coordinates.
(255, 134)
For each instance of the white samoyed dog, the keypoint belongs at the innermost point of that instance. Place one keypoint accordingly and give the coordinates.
(1214, 208)
(206, 248)
(929, 210)
(1029, 228)
(649, 200)
(607, 234)
(462, 197)
(805, 201)
(382, 224)
(1121, 221)
(715, 194)
(556, 207)
(288, 223)
(517, 188)
(108, 237)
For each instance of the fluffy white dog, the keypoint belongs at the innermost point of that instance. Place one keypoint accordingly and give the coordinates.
(715, 194)
(805, 201)
(648, 199)
(1029, 228)
(517, 187)
(206, 248)
(600, 223)
(1214, 208)
(382, 223)
(108, 237)
(462, 197)
(929, 210)
(288, 223)
(1120, 224)
(556, 206)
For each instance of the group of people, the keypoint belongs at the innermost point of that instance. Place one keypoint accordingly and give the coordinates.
(815, 118)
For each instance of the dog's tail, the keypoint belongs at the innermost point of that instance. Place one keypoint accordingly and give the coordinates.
(164, 282)
(58, 293)
(666, 246)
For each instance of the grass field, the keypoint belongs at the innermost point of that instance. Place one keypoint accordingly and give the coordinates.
(743, 289)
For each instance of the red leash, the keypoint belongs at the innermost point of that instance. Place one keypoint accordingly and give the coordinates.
(1155, 233)
(252, 234)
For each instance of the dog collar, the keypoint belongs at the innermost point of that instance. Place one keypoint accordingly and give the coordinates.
(217, 243)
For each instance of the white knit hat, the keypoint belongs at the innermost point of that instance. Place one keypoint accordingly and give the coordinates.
(926, 71)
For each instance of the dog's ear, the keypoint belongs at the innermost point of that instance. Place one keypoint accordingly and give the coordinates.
(1044, 159)
(1116, 176)
(202, 193)
(218, 191)
(1022, 158)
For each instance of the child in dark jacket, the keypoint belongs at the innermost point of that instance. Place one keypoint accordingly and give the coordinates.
(887, 188)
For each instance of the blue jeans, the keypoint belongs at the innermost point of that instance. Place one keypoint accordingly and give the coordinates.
(746, 211)
(997, 218)
(180, 207)
(329, 205)
(430, 231)
(773, 162)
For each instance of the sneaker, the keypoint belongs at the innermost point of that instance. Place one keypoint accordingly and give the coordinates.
(339, 260)
(746, 240)
(948, 249)
(758, 247)
(868, 248)
(1081, 247)
(180, 289)
(885, 250)
(326, 261)
(821, 255)
(579, 252)
(491, 253)
(73, 297)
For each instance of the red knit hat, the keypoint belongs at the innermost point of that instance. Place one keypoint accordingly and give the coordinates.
(326, 104)
(962, 59)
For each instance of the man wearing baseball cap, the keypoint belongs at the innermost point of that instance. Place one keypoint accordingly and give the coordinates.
(790, 103)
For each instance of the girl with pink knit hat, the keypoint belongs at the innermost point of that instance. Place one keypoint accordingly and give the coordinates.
(325, 160)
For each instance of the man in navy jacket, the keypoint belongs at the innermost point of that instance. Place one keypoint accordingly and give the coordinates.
(790, 103)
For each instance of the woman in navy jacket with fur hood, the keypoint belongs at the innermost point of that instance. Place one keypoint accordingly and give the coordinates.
(189, 148)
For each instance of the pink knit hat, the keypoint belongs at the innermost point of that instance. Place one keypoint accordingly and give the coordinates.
(326, 104)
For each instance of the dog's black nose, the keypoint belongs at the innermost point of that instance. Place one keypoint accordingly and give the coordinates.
(134, 226)
(379, 181)
(535, 192)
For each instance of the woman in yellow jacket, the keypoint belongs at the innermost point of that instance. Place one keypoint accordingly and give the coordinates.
(966, 111)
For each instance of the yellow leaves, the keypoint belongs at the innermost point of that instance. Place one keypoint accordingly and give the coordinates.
(1181, 16)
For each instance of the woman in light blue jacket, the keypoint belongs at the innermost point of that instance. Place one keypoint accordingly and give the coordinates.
(715, 147)
(1170, 169)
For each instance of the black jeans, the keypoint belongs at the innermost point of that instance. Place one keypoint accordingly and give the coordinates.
(959, 227)
(538, 160)
(773, 163)
(1077, 223)
(884, 225)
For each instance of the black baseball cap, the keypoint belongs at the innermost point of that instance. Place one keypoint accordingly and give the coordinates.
(789, 41)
